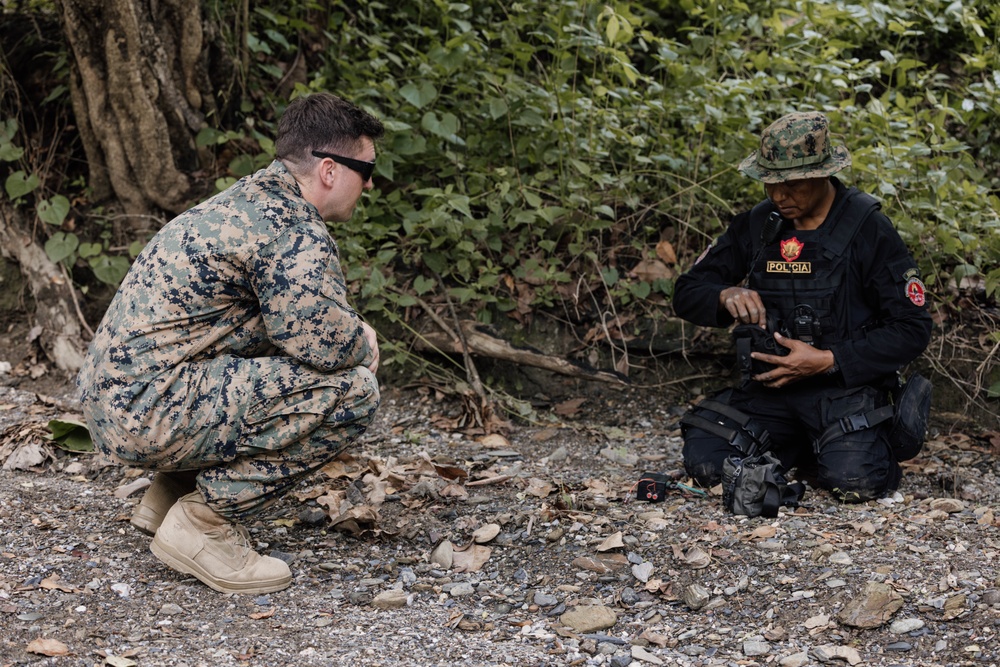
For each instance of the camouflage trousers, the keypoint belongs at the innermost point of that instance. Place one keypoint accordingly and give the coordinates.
(276, 422)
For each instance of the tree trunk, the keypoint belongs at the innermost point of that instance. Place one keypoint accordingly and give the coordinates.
(140, 94)
(61, 337)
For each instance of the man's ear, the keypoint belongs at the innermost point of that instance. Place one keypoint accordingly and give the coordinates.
(327, 172)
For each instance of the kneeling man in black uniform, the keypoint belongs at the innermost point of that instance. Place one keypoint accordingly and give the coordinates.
(829, 306)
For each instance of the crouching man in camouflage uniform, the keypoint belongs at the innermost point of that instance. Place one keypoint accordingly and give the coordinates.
(230, 361)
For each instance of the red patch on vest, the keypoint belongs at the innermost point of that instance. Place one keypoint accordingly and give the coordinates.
(915, 292)
(791, 249)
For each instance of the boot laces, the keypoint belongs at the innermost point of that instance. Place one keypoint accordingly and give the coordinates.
(236, 537)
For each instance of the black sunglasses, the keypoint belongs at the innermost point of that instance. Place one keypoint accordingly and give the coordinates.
(366, 169)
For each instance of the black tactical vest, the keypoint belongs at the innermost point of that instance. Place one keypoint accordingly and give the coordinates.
(812, 268)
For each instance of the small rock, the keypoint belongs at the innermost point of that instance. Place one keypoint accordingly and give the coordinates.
(991, 597)
(754, 648)
(560, 454)
(545, 600)
(639, 653)
(444, 555)
(841, 558)
(904, 625)
(874, 606)
(589, 618)
(950, 505)
(620, 455)
(829, 652)
(899, 646)
(795, 660)
(312, 516)
(171, 609)
(642, 571)
(391, 599)
(696, 596)
(462, 589)
(123, 590)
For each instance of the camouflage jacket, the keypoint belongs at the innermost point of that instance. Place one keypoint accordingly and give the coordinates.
(250, 272)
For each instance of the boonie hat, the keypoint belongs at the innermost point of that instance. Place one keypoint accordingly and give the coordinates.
(794, 147)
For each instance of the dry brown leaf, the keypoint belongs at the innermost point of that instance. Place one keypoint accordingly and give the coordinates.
(655, 638)
(471, 558)
(258, 615)
(485, 533)
(45, 646)
(345, 466)
(569, 407)
(763, 532)
(53, 584)
(597, 486)
(665, 251)
(539, 488)
(453, 491)
(612, 542)
(697, 558)
(649, 270)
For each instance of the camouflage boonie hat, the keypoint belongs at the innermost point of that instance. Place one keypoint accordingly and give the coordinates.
(794, 147)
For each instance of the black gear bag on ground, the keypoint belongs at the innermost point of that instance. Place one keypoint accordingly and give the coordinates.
(756, 486)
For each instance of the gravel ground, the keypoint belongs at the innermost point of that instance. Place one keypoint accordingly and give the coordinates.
(576, 574)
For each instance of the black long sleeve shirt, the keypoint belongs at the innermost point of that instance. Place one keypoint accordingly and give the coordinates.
(883, 278)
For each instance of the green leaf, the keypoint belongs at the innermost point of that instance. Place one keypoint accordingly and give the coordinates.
(419, 95)
(71, 435)
(53, 211)
(208, 136)
(423, 285)
(9, 152)
(994, 390)
(19, 184)
(90, 250)
(640, 290)
(241, 165)
(61, 245)
(109, 270)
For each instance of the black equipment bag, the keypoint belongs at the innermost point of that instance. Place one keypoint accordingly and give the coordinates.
(756, 486)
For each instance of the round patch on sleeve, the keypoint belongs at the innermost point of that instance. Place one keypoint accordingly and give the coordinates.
(915, 292)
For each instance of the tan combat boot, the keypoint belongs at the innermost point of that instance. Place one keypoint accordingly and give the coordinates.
(196, 540)
(161, 495)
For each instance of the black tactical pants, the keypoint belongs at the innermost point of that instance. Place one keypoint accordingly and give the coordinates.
(855, 466)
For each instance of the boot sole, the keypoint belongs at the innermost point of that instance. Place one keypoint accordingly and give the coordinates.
(185, 565)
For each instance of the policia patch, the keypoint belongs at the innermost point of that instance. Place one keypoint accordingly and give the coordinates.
(790, 249)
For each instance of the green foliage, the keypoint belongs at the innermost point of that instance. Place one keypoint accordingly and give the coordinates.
(576, 156)
(537, 153)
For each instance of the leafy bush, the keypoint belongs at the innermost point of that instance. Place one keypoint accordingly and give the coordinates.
(573, 157)
(540, 155)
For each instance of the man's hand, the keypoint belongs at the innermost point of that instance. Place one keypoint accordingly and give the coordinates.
(744, 305)
(802, 361)
(372, 339)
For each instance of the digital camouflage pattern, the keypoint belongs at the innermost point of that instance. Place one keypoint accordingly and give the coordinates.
(230, 348)
(795, 147)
